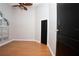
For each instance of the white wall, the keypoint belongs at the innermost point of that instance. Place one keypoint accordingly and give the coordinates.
(7, 13)
(52, 27)
(42, 13)
(47, 11)
(24, 23)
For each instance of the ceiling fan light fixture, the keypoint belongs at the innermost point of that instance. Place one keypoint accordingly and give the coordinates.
(23, 5)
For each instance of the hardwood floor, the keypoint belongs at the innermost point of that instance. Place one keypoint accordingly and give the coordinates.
(24, 48)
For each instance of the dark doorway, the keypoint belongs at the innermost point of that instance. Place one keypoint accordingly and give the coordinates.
(68, 26)
(44, 31)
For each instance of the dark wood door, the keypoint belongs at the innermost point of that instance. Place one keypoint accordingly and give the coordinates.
(44, 31)
(68, 26)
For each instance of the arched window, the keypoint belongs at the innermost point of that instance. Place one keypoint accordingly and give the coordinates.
(4, 28)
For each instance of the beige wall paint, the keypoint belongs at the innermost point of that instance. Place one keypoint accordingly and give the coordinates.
(42, 13)
(24, 23)
(52, 27)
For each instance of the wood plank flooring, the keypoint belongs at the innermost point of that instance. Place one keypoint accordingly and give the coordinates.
(24, 48)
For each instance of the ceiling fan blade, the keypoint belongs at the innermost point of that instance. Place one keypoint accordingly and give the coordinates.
(25, 8)
(15, 5)
(22, 5)
(27, 4)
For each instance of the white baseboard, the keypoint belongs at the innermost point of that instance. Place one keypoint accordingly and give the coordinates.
(6, 42)
(26, 40)
(37, 41)
(50, 50)
(23, 39)
(18, 40)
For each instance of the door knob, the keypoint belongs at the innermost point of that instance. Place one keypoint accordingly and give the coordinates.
(57, 30)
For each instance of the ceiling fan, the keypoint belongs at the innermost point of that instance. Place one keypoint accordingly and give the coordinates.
(23, 5)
